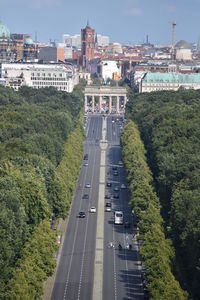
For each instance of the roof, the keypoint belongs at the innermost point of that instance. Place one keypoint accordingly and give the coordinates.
(183, 45)
(171, 78)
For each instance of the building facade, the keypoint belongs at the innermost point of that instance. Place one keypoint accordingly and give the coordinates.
(169, 81)
(61, 77)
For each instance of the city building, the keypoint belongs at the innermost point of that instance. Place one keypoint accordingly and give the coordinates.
(87, 44)
(72, 40)
(62, 77)
(102, 40)
(183, 51)
(15, 47)
(169, 81)
(111, 69)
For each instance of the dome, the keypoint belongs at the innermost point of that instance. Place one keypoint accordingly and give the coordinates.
(4, 31)
(28, 41)
(183, 44)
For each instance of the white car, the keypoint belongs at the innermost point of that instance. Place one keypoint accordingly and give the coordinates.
(88, 185)
(120, 163)
(93, 209)
(108, 209)
(123, 186)
(85, 164)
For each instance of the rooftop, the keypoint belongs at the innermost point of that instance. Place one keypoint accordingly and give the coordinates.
(171, 78)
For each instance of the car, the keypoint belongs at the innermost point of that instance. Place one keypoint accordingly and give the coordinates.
(107, 196)
(113, 121)
(116, 189)
(85, 157)
(116, 196)
(85, 196)
(115, 173)
(85, 164)
(123, 186)
(120, 163)
(109, 184)
(127, 224)
(88, 185)
(81, 214)
(108, 204)
(93, 209)
(114, 168)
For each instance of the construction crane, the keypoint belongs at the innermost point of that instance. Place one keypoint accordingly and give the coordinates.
(173, 40)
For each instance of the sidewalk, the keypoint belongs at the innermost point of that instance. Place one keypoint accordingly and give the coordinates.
(48, 285)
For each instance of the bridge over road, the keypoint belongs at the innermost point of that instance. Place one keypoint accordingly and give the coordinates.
(101, 98)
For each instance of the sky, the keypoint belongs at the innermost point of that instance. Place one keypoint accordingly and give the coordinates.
(124, 21)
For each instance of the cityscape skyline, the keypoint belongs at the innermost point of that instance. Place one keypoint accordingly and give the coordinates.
(129, 22)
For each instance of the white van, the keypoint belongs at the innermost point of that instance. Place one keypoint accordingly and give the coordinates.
(118, 217)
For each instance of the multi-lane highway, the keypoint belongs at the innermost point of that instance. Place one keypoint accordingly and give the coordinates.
(79, 273)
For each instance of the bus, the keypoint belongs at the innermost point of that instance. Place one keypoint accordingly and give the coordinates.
(119, 217)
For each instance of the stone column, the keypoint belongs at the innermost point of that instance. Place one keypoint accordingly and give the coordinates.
(100, 103)
(85, 103)
(125, 100)
(117, 105)
(92, 104)
(110, 104)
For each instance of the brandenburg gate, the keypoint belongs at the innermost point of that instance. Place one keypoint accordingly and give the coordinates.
(105, 91)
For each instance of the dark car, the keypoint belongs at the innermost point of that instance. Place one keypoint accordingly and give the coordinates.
(127, 224)
(85, 157)
(108, 204)
(116, 196)
(109, 184)
(114, 168)
(107, 196)
(81, 214)
(85, 196)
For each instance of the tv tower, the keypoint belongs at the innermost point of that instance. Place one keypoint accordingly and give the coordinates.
(173, 40)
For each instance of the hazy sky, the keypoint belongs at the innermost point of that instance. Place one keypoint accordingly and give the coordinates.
(122, 20)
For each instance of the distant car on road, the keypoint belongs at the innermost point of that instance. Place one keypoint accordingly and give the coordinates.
(85, 157)
(123, 186)
(88, 185)
(81, 214)
(127, 224)
(116, 196)
(85, 196)
(109, 184)
(107, 196)
(120, 163)
(108, 206)
(85, 164)
(116, 189)
(114, 168)
(93, 209)
(115, 173)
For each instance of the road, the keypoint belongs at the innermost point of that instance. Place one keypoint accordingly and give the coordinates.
(76, 272)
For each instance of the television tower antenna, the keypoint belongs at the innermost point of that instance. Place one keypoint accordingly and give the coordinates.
(173, 40)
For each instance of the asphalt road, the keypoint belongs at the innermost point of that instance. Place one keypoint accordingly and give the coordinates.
(75, 274)
(121, 277)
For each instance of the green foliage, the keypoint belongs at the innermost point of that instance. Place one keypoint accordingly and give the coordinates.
(35, 265)
(39, 130)
(156, 251)
(170, 128)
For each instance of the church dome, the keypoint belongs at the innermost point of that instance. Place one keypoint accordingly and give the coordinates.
(4, 31)
(28, 41)
(183, 45)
